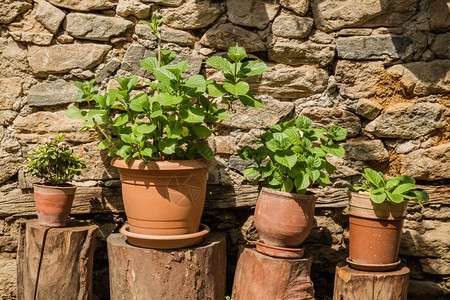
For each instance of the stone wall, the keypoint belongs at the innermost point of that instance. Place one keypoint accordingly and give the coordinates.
(379, 68)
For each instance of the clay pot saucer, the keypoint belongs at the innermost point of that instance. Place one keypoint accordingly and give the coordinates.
(372, 267)
(164, 241)
(281, 252)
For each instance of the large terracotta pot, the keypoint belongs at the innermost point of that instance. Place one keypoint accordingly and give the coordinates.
(163, 197)
(375, 232)
(53, 204)
(284, 219)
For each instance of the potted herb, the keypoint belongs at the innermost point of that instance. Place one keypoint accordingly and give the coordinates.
(292, 156)
(56, 164)
(158, 139)
(377, 210)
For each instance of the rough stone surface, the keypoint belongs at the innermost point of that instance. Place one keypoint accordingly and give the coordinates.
(331, 15)
(29, 30)
(408, 120)
(366, 150)
(252, 13)
(327, 117)
(13, 58)
(98, 164)
(424, 78)
(8, 278)
(49, 16)
(83, 5)
(193, 14)
(357, 79)
(295, 52)
(10, 166)
(423, 289)
(427, 164)
(168, 34)
(441, 45)
(368, 109)
(10, 91)
(10, 9)
(372, 47)
(439, 15)
(291, 26)
(434, 242)
(227, 35)
(436, 266)
(95, 27)
(135, 8)
(165, 2)
(295, 81)
(298, 6)
(52, 93)
(62, 58)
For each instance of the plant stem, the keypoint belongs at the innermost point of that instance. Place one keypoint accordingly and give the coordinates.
(100, 130)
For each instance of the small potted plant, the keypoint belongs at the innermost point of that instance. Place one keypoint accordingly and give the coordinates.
(291, 157)
(158, 139)
(56, 164)
(377, 210)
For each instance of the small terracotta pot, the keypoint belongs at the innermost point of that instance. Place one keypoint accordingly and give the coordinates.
(53, 204)
(284, 219)
(375, 232)
(163, 197)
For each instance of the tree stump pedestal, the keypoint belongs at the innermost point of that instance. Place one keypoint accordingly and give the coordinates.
(197, 272)
(55, 263)
(351, 284)
(259, 276)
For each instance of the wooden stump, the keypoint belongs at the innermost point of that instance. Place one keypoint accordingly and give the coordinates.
(261, 277)
(351, 284)
(197, 272)
(55, 263)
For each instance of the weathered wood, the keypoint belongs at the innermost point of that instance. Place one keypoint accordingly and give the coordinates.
(351, 284)
(55, 263)
(260, 276)
(196, 272)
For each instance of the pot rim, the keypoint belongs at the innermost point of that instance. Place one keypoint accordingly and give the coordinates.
(44, 185)
(163, 165)
(203, 230)
(288, 195)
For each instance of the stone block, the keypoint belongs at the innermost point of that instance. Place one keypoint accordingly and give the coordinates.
(52, 93)
(292, 26)
(49, 16)
(10, 9)
(10, 92)
(252, 13)
(441, 45)
(300, 7)
(82, 5)
(126, 8)
(372, 150)
(368, 109)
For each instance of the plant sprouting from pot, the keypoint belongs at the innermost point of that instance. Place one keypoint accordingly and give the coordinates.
(395, 190)
(292, 155)
(55, 162)
(175, 118)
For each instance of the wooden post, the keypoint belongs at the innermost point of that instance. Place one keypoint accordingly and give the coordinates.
(351, 284)
(197, 272)
(260, 276)
(55, 263)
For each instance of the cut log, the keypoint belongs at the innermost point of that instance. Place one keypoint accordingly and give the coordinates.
(196, 272)
(55, 263)
(260, 276)
(351, 284)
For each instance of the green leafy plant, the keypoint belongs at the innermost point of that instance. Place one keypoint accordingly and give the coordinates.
(292, 155)
(394, 190)
(175, 118)
(55, 162)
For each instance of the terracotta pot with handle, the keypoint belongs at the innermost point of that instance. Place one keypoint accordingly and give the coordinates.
(163, 197)
(283, 219)
(53, 204)
(375, 232)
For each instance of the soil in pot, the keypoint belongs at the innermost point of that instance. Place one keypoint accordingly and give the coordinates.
(53, 204)
(284, 219)
(163, 197)
(375, 232)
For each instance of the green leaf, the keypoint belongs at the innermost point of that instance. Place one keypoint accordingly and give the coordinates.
(246, 153)
(287, 159)
(201, 131)
(215, 90)
(239, 89)
(205, 151)
(148, 152)
(149, 63)
(196, 81)
(273, 145)
(168, 100)
(334, 149)
(167, 56)
(422, 196)
(323, 180)
(164, 75)
(378, 198)
(146, 128)
(237, 53)
(167, 146)
(303, 122)
(74, 112)
(373, 177)
(337, 133)
(121, 120)
(250, 172)
(103, 144)
(222, 114)
(249, 100)
(293, 134)
(402, 188)
(288, 185)
(302, 182)
(395, 198)
(192, 115)
(253, 67)
(219, 63)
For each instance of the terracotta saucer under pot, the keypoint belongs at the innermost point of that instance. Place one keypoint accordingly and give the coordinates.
(282, 252)
(372, 267)
(164, 241)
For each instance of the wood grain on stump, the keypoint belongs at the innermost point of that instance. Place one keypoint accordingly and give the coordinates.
(260, 276)
(55, 263)
(197, 272)
(351, 284)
